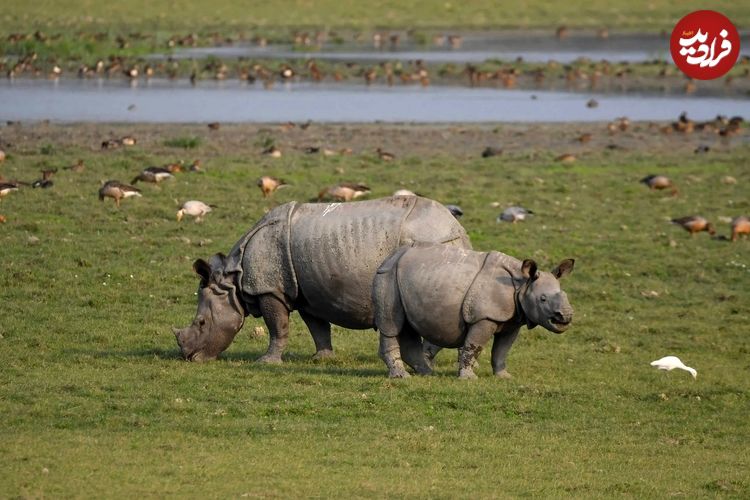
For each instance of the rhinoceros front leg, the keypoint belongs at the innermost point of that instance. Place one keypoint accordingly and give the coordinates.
(478, 336)
(501, 347)
(276, 316)
(390, 352)
(321, 334)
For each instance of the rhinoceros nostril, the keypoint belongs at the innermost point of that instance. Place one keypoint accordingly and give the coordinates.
(559, 317)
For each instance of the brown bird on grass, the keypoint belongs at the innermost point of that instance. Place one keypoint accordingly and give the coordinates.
(117, 190)
(2, 219)
(584, 138)
(268, 185)
(77, 167)
(345, 191)
(740, 225)
(7, 187)
(384, 155)
(491, 151)
(272, 151)
(695, 224)
(2, 156)
(153, 174)
(566, 158)
(659, 182)
(174, 167)
(214, 126)
(196, 166)
(46, 180)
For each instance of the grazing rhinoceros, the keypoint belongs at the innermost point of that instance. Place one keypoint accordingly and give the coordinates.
(455, 297)
(318, 258)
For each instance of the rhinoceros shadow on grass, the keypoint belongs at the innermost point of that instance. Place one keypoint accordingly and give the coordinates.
(317, 258)
(455, 297)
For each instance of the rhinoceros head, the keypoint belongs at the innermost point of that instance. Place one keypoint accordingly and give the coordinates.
(220, 314)
(542, 300)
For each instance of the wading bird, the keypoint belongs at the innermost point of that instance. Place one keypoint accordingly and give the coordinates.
(669, 363)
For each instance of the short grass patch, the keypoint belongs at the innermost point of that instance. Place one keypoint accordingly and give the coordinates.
(183, 142)
(96, 401)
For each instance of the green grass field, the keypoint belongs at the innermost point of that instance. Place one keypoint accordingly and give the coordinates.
(95, 401)
(635, 15)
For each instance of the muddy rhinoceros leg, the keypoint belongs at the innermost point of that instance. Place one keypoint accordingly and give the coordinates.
(500, 347)
(321, 334)
(411, 349)
(276, 316)
(478, 336)
(390, 353)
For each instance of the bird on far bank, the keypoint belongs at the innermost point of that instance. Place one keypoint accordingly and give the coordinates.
(117, 190)
(669, 363)
(695, 224)
(194, 208)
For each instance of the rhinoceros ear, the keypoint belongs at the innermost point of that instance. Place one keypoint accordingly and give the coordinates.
(528, 269)
(564, 268)
(203, 270)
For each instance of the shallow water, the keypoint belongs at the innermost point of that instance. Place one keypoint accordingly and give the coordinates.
(475, 47)
(179, 102)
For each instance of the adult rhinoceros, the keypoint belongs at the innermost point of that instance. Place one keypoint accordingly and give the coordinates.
(317, 258)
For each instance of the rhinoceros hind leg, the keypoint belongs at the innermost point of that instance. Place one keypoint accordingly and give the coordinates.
(412, 351)
(429, 351)
(321, 334)
(391, 354)
(276, 316)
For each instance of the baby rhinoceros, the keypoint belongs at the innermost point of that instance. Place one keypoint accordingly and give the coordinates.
(455, 297)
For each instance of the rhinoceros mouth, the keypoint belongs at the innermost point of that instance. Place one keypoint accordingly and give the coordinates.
(560, 325)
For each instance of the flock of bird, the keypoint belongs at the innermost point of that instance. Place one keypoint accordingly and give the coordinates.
(693, 224)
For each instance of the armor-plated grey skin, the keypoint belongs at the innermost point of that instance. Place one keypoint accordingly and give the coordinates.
(318, 258)
(455, 297)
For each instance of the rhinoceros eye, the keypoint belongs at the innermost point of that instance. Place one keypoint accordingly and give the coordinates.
(543, 298)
